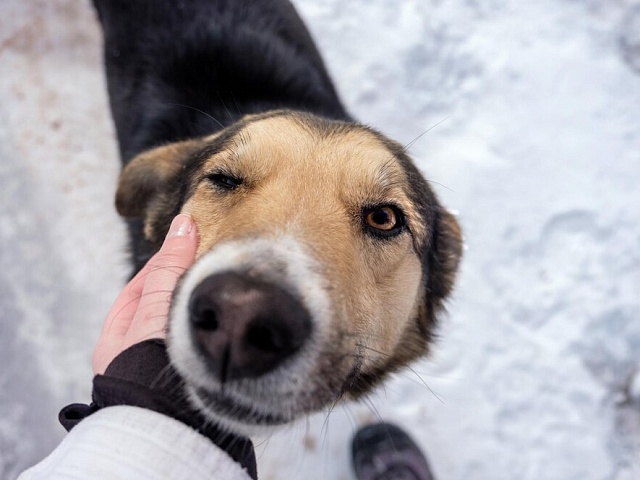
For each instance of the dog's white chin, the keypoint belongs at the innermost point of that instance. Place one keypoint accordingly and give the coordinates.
(283, 261)
(259, 423)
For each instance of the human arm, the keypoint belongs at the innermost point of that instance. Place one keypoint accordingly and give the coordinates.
(140, 416)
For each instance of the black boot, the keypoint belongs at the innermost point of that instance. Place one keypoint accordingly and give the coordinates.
(384, 452)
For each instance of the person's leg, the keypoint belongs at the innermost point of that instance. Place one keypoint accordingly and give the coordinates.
(385, 452)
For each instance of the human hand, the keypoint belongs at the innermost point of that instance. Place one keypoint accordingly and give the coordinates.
(141, 310)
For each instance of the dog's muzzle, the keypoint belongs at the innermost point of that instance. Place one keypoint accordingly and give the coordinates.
(249, 319)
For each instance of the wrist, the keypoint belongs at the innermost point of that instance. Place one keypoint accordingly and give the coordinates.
(142, 376)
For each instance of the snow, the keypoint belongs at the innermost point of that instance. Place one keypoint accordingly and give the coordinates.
(535, 109)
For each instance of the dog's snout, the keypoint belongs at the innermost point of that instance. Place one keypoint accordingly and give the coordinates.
(245, 327)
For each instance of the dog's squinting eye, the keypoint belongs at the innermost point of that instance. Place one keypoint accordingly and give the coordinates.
(385, 220)
(223, 181)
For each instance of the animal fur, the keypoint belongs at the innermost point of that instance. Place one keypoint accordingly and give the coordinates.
(224, 110)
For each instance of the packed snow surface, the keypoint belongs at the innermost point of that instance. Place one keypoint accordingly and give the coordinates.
(533, 118)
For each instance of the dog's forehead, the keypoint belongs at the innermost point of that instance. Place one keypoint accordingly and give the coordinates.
(322, 160)
(297, 144)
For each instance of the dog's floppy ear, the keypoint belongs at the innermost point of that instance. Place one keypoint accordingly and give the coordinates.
(149, 173)
(444, 258)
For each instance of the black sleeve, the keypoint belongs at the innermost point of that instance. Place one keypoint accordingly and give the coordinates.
(142, 376)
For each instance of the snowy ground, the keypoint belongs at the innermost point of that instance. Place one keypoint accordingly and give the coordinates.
(537, 373)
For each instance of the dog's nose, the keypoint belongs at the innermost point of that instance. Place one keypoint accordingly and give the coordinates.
(245, 327)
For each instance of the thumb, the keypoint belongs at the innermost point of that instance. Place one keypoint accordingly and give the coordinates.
(176, 255)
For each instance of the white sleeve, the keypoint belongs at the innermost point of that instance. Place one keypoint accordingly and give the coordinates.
(134, 443)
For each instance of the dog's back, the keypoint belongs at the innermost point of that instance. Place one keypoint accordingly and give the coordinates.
(205, 64)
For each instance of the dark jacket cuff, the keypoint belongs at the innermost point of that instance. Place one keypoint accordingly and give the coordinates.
(142, 376)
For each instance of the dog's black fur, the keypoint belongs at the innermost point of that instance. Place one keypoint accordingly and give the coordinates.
(179, 70)
(184, 69)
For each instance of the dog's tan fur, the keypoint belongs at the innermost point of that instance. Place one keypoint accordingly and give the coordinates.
(316, 188)
(312, 182)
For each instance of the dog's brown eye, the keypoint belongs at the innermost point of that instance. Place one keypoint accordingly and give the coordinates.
(223, 181)
(385, 220)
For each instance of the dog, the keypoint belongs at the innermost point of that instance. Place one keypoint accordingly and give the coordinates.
(324, 257)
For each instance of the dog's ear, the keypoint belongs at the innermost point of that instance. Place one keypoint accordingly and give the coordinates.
(444, 258)
(149, 173)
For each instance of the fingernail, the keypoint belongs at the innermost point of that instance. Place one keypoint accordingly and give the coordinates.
(181, 226)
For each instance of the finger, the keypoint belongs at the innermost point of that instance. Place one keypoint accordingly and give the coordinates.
(119, 331)
(118, 322)
(124, 308)
(165, 268)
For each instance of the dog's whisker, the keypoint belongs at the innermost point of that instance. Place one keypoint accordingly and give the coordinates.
(412, 142)
(425, 384)
(325, 424)
(197, 110)
(156, 268)
(233, 97)
(351, 416)
(225, 106)
(324, 431)
(441, 184)
(137, 298)
(409, 367)
(372, 408)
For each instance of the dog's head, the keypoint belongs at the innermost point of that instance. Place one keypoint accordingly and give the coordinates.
(323, 260)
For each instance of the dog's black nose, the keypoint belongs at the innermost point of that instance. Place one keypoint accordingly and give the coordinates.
(245, 327)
